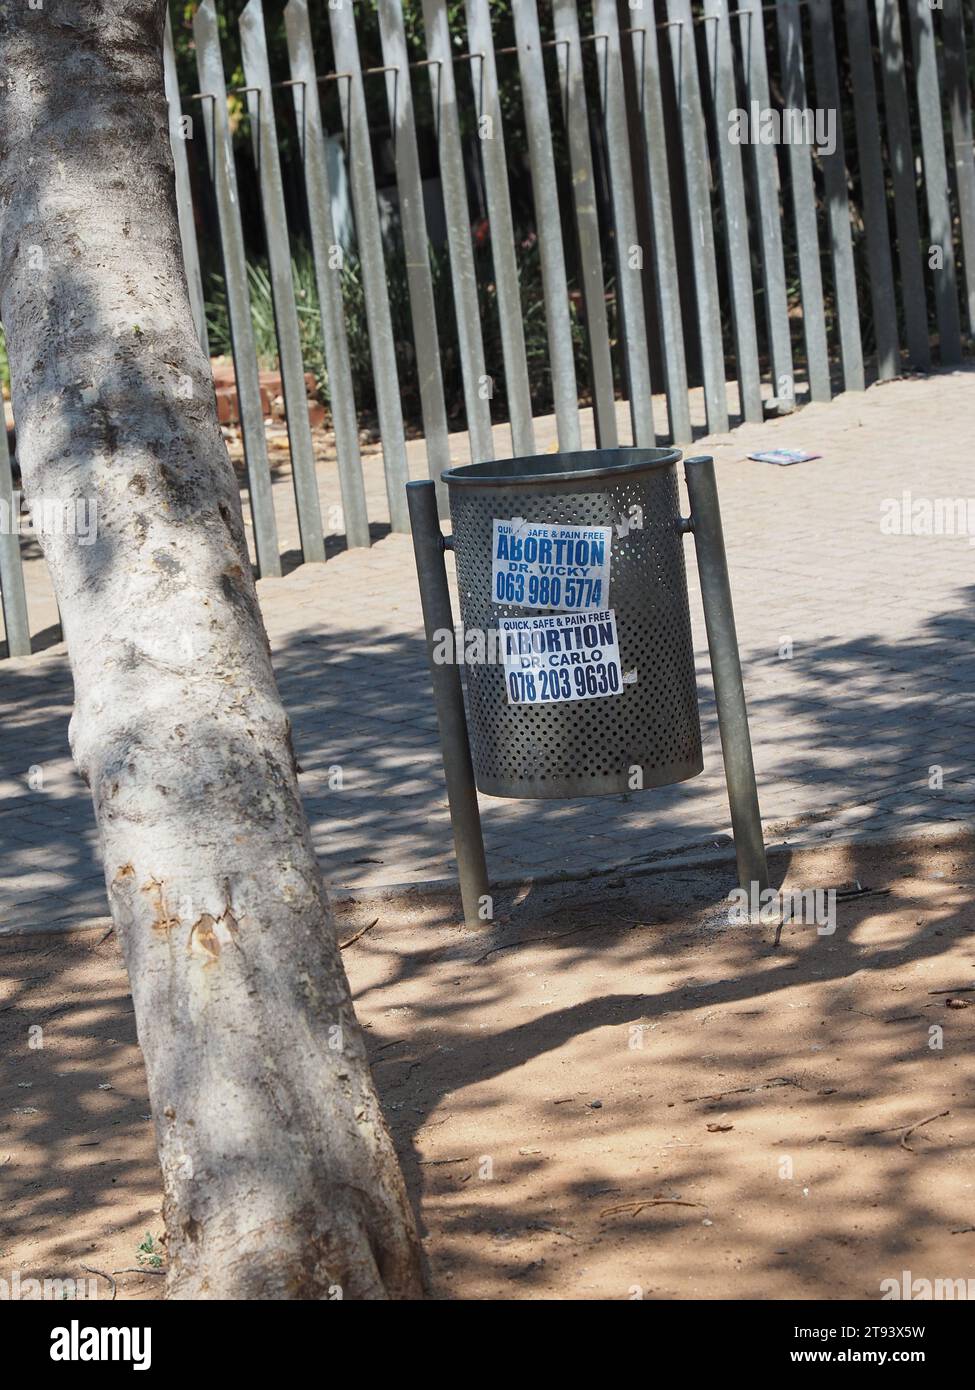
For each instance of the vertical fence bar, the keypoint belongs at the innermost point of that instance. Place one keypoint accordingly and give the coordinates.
(575, 115)
(697, 173)
(721, 61)
(463, 275)
(931, 122)
(416, 245)
(629, 253)
(12, 593)
(804, 205)
(870, 162)
(382, 346)
(666, 276)
(837, 197)
(764, 165)
(184, 194)
(955, 56)
(494, 163)
(548, 223)
(260, 106)
(328, 272)
(901, 154)
(209, 62)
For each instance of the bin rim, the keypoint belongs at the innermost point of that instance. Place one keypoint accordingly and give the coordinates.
(529, 469)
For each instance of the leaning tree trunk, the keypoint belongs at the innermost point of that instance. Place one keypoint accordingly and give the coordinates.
(280, 1178)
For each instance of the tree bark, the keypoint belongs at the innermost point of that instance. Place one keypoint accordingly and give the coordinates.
(280, 1178)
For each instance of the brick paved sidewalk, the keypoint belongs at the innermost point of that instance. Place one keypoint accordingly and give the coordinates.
(877, 692)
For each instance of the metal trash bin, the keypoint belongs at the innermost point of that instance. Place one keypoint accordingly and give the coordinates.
(626, 702)
(555, 707)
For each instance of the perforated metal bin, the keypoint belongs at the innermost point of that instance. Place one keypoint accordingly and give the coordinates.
(648, 734)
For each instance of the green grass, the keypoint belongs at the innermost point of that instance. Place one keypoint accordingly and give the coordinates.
(150, 1252)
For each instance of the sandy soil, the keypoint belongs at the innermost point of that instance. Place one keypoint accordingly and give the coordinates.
(612, 1093)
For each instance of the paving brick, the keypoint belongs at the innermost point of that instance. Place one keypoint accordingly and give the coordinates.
(878, 689)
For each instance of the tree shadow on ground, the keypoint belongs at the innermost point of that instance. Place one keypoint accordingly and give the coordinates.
(362, 704)
(863, 722)
(821, 1089)
(514, 1045)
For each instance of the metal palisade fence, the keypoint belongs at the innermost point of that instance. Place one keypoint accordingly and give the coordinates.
(707, 209)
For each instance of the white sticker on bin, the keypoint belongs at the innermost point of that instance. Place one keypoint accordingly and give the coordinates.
(551, 658)
(536, 565)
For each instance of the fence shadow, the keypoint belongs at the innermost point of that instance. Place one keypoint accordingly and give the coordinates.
(877, 715)
(900, 703)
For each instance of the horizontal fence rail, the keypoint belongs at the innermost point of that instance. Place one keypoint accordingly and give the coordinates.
(642, 218)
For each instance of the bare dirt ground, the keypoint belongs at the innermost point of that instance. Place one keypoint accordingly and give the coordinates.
(611, 1093)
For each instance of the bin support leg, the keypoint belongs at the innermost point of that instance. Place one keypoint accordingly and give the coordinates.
(465, 818)
(729, 693)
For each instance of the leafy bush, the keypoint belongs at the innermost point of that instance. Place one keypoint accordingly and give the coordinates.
(262, 313)
(357, 327)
